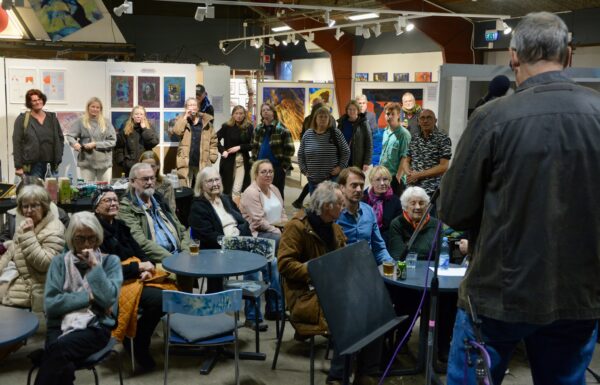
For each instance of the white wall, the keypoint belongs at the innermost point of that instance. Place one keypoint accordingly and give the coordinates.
(216, 81)
(410, 62)
(4, 138)
(583, 57)
(317, 70)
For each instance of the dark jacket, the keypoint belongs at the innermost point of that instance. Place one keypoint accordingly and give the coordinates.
(361, 145)
(30, 145)
(525, 179)
(281, 142)
(401, 231)
(206, 225)
(391, 209)
(231, 137)
(118, 241)
(130, 147)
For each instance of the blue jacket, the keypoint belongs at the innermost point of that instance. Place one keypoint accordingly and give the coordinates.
(365, 229)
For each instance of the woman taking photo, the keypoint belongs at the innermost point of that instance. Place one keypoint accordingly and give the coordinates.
(273, 141)
(94, 138)
(323, 150)
(137, 137)
(198, 145)
(236, 136)
(163, 185)
(380, 196)
(357, 133)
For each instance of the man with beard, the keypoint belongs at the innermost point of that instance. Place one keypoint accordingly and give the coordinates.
(152, 223)
(409, 117)
(357, 218)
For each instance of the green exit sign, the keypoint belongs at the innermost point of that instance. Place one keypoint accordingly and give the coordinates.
(491, 35)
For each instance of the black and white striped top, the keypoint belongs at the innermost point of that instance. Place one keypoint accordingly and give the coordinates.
(320, 153)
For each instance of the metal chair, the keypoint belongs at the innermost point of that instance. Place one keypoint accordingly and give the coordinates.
(201, 305)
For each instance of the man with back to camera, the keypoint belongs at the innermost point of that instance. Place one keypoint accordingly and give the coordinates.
(524, 181)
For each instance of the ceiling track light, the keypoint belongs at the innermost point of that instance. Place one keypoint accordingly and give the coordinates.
(410, 27)
(376, 29)
(274, 42)
(359, 30)
(310, 37)
(295, 40)
(258, 43)
(204, 12)
(338, 33)
(126, 7)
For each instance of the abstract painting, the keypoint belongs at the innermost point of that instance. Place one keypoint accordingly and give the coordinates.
(169, 119)
(361, 77)
(62, 18)
(149, 91)
(326, 95)
(423, 77)
(401, 77)
(154, 120)
(121, 91)
(53, 85)
(289, 104)
(174, 92)
(20, 80)
(118, 120)
(380, 76)
(66, 119)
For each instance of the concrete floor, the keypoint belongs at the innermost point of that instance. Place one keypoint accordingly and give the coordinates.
(292, 367)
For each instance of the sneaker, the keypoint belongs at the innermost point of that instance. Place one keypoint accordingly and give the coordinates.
(262, 327)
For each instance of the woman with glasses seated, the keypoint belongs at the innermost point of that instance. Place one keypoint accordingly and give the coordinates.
(380, 196)
(80, 301)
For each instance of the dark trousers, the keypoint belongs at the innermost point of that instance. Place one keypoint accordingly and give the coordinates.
(39, 169)
(397, 187)
(279, 179)
(367, 361)
(151, 306)
(61, 354)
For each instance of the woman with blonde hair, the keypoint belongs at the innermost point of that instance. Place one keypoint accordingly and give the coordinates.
(93, 137)
(380, 196)
(137, 137)
(235, 143)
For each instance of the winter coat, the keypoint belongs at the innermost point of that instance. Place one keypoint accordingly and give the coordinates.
(27, 147)
(234, 136)
(361, 145)
(130, 147)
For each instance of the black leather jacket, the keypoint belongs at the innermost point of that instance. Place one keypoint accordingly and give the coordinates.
(526, 179)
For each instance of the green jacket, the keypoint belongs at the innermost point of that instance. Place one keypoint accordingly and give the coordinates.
(135, 218)
(282, 143)
(401, 231)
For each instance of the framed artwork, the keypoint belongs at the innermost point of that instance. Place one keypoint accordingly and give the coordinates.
(118, 120)
(62, 18)
(21, 80)
(169, 118)
(380, 76)
(361, 76)
(423, 77)
(148, 91)
(53, 85)
(401, 77)
(174, 92)
(121, 91)
(326, 94)
(154, 120)
(289, 104)
(67, 118)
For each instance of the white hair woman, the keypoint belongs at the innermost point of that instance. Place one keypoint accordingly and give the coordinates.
(81, 298)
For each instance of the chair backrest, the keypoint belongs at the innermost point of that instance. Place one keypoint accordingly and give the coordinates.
(202, 304)
(262, 246)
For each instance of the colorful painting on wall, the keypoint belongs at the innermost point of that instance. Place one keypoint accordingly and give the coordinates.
(121, 92)
(289, 104)
(118, 120)
(361, 76)
(401, 76)
(154, 120)
(169, 119)
(62, 18)
(423, 77)
(66, 119)
(380, 76)
(326, 95)
(20, 80)
(53, 85)
(149, 91)
(174, 92)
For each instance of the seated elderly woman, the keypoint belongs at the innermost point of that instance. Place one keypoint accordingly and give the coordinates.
(81, 298)
(262, 206)
(37, 239)
(380, 196)
(308, 235)
(138, 273)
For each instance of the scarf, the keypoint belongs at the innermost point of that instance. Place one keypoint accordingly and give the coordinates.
(415, 224)
(323, 230)
(415, 110)
(376, 202)
(74, 282)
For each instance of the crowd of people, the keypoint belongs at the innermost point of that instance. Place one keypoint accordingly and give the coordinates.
(105, 258)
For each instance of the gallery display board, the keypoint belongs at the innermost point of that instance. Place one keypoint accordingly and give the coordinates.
(160, 87)
(293, 101)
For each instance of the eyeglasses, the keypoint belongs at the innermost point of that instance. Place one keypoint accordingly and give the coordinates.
(266, 172)
(213, 181)
(147, 179)
(109, 200)
(33, 206)
(81, 240)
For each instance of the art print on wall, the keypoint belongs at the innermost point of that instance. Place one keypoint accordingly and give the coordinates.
(53, 85)
(380, 76)
(174, 92)
(67, 119)
(20, 80)
(325, 94)
(154, 120)
(361, 76)
(149, 91)
(401, 76)
(289, 104)
(119, 119)
(423, 77)
(62, 18)
(169, 118)
(121, 91)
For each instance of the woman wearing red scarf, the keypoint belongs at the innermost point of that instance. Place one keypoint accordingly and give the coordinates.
(382, 199)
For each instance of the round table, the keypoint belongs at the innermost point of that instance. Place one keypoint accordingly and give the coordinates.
(415, 278)
(214, 263)
(16, 325)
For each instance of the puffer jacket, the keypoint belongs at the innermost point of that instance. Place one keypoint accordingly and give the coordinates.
(32, 251)
(130, 147)
(361, 145)
(299, 244)
(525, 178)
(209, 152)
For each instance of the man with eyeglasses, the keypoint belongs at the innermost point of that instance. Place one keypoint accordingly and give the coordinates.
(153, 225)
(395, 146)
(428, 155)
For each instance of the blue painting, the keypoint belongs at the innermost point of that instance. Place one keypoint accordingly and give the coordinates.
(60, 18)
(174, 92)
(154, 120)
(169, 118)
(118, 120)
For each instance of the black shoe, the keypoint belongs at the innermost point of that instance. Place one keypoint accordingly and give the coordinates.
(272, 315)
(145, 362)
(252, 325)
(297, 204)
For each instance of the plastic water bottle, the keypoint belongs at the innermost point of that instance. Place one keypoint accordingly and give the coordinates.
(444, 254)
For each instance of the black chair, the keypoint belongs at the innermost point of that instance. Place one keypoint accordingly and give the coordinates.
(89, 363)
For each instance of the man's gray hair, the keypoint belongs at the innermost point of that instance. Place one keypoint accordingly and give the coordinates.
(323, 195)
(360, 97)
(412, 192)
(540, 36)
(136, 167)
(80, 220)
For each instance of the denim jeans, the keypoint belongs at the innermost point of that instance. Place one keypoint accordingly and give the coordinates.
(39, 169)
(558, 353)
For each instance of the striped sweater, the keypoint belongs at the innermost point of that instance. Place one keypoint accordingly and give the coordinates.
(320, 153)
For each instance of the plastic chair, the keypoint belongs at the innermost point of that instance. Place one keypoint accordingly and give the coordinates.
(201, 305)
(89, 363)
(252, 290)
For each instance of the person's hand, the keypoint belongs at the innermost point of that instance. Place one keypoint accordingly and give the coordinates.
(336, 170)
(463, 246)
(412, 177)
(225, 154)
(77, 147)
(19, 171)
(233, 150)
(146, 266)
(145, 275)
(143, 124)
(89, 256)
(27, 224)
(89, 146)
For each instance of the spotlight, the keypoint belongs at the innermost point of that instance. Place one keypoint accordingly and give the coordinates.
(410, 27)
(274, 42)
(377, 30)
(338, 33)
(502, 26)
(507, 29)
(366, 33)
(221, 47)
(359, 31)
(295, 40)
(126, 8)
(310, 37)
(326, 17)
(258, 43)
(204, 12)
(400, 25)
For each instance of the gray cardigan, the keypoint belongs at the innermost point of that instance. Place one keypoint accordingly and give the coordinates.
(99, 158)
